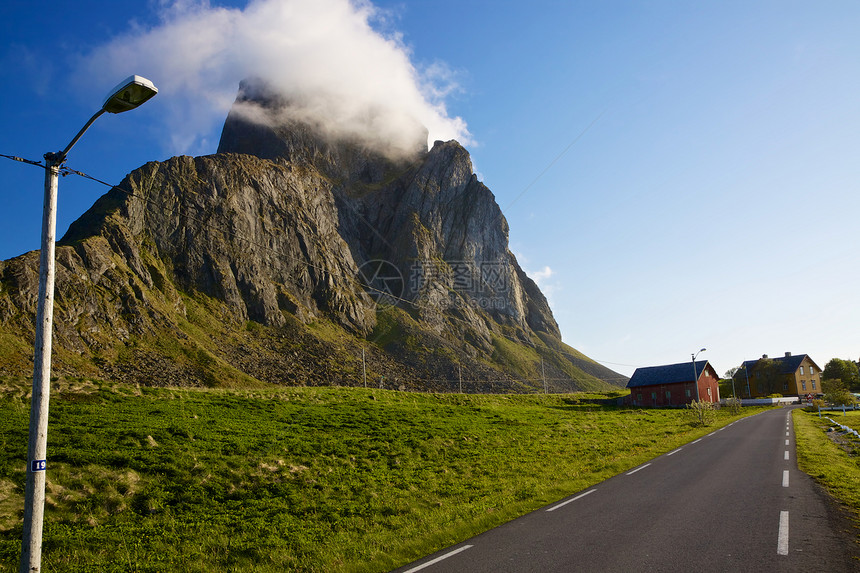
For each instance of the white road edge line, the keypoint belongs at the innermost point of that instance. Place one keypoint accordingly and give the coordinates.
(637, 469)
(562, 504)
(784, 478)
(675, 452)
(697, 441)
(782, 540)
(438, 559)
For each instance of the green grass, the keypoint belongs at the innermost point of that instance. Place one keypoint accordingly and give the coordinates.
(302, 479)
(835, 465)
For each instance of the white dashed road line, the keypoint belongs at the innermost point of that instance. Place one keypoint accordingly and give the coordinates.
(785, 478)
(562, 504)
(438, 559)
(637, 469)
(782, 539)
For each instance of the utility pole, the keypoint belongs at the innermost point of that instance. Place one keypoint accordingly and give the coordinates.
(460, 374)
(543, 375)
(696, 374)
(126, 96)
(34, 490)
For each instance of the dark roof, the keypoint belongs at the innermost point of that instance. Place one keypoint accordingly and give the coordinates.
(669, 374)
(789, 364)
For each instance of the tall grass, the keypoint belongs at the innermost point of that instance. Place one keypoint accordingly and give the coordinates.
(833, 461)
(301, 479)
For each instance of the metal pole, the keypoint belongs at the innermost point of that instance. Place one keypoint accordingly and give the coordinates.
(34, 494)
(460, 374)
(363, 368)
(695, 377)
(543, 375)
(127, 96)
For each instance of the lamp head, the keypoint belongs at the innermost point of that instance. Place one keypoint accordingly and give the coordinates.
(129, 94)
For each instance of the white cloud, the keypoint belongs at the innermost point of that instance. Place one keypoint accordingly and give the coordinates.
(322, 53)
(541, 276)
(542, 280)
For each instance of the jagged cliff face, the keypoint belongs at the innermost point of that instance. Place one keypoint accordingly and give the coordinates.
(229, 266)
(423, 212)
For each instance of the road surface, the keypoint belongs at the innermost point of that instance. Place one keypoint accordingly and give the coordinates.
(733, 500)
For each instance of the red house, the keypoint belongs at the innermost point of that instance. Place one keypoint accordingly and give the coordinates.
(674, 384)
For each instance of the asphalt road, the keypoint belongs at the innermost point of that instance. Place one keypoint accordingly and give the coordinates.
(733, 500)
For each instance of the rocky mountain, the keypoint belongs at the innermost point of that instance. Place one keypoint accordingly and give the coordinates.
(294, 256)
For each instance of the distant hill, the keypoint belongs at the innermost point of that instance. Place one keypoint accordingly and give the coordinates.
(284, 259)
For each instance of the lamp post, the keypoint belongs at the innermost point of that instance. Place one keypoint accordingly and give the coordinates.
(129, 94)
(696, 374)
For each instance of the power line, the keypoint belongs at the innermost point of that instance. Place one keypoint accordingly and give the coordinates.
(555, 160)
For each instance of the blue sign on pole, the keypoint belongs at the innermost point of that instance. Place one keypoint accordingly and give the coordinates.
(38, 465)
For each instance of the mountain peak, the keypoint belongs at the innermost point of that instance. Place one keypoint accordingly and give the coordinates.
(272, 125)
(296, 248)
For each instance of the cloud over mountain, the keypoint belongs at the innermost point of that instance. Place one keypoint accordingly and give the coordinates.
(324, 56)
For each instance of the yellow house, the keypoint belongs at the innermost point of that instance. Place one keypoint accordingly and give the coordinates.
(787, 375)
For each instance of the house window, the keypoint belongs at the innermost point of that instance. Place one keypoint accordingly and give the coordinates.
(785, 385)
(813, 384)
(688, 393)
(803, 383)
(709, 392)
(668, 396)
(811, 370)
(801, 370)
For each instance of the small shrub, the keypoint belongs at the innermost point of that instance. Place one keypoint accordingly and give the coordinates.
(733, 405)
(702, 413)
(815, 405)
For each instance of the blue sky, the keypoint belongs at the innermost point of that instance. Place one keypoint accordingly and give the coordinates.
(676, 175)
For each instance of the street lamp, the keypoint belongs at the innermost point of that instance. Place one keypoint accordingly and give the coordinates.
(696, 374)
(126, 96)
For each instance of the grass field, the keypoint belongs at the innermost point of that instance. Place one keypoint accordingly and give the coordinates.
(833, 460)
(302, 479)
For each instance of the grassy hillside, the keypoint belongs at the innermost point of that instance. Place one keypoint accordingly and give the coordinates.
(302, 479)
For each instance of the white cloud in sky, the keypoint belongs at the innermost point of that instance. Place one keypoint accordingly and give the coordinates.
(542, 280)
(541, 276)
(324, 54)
